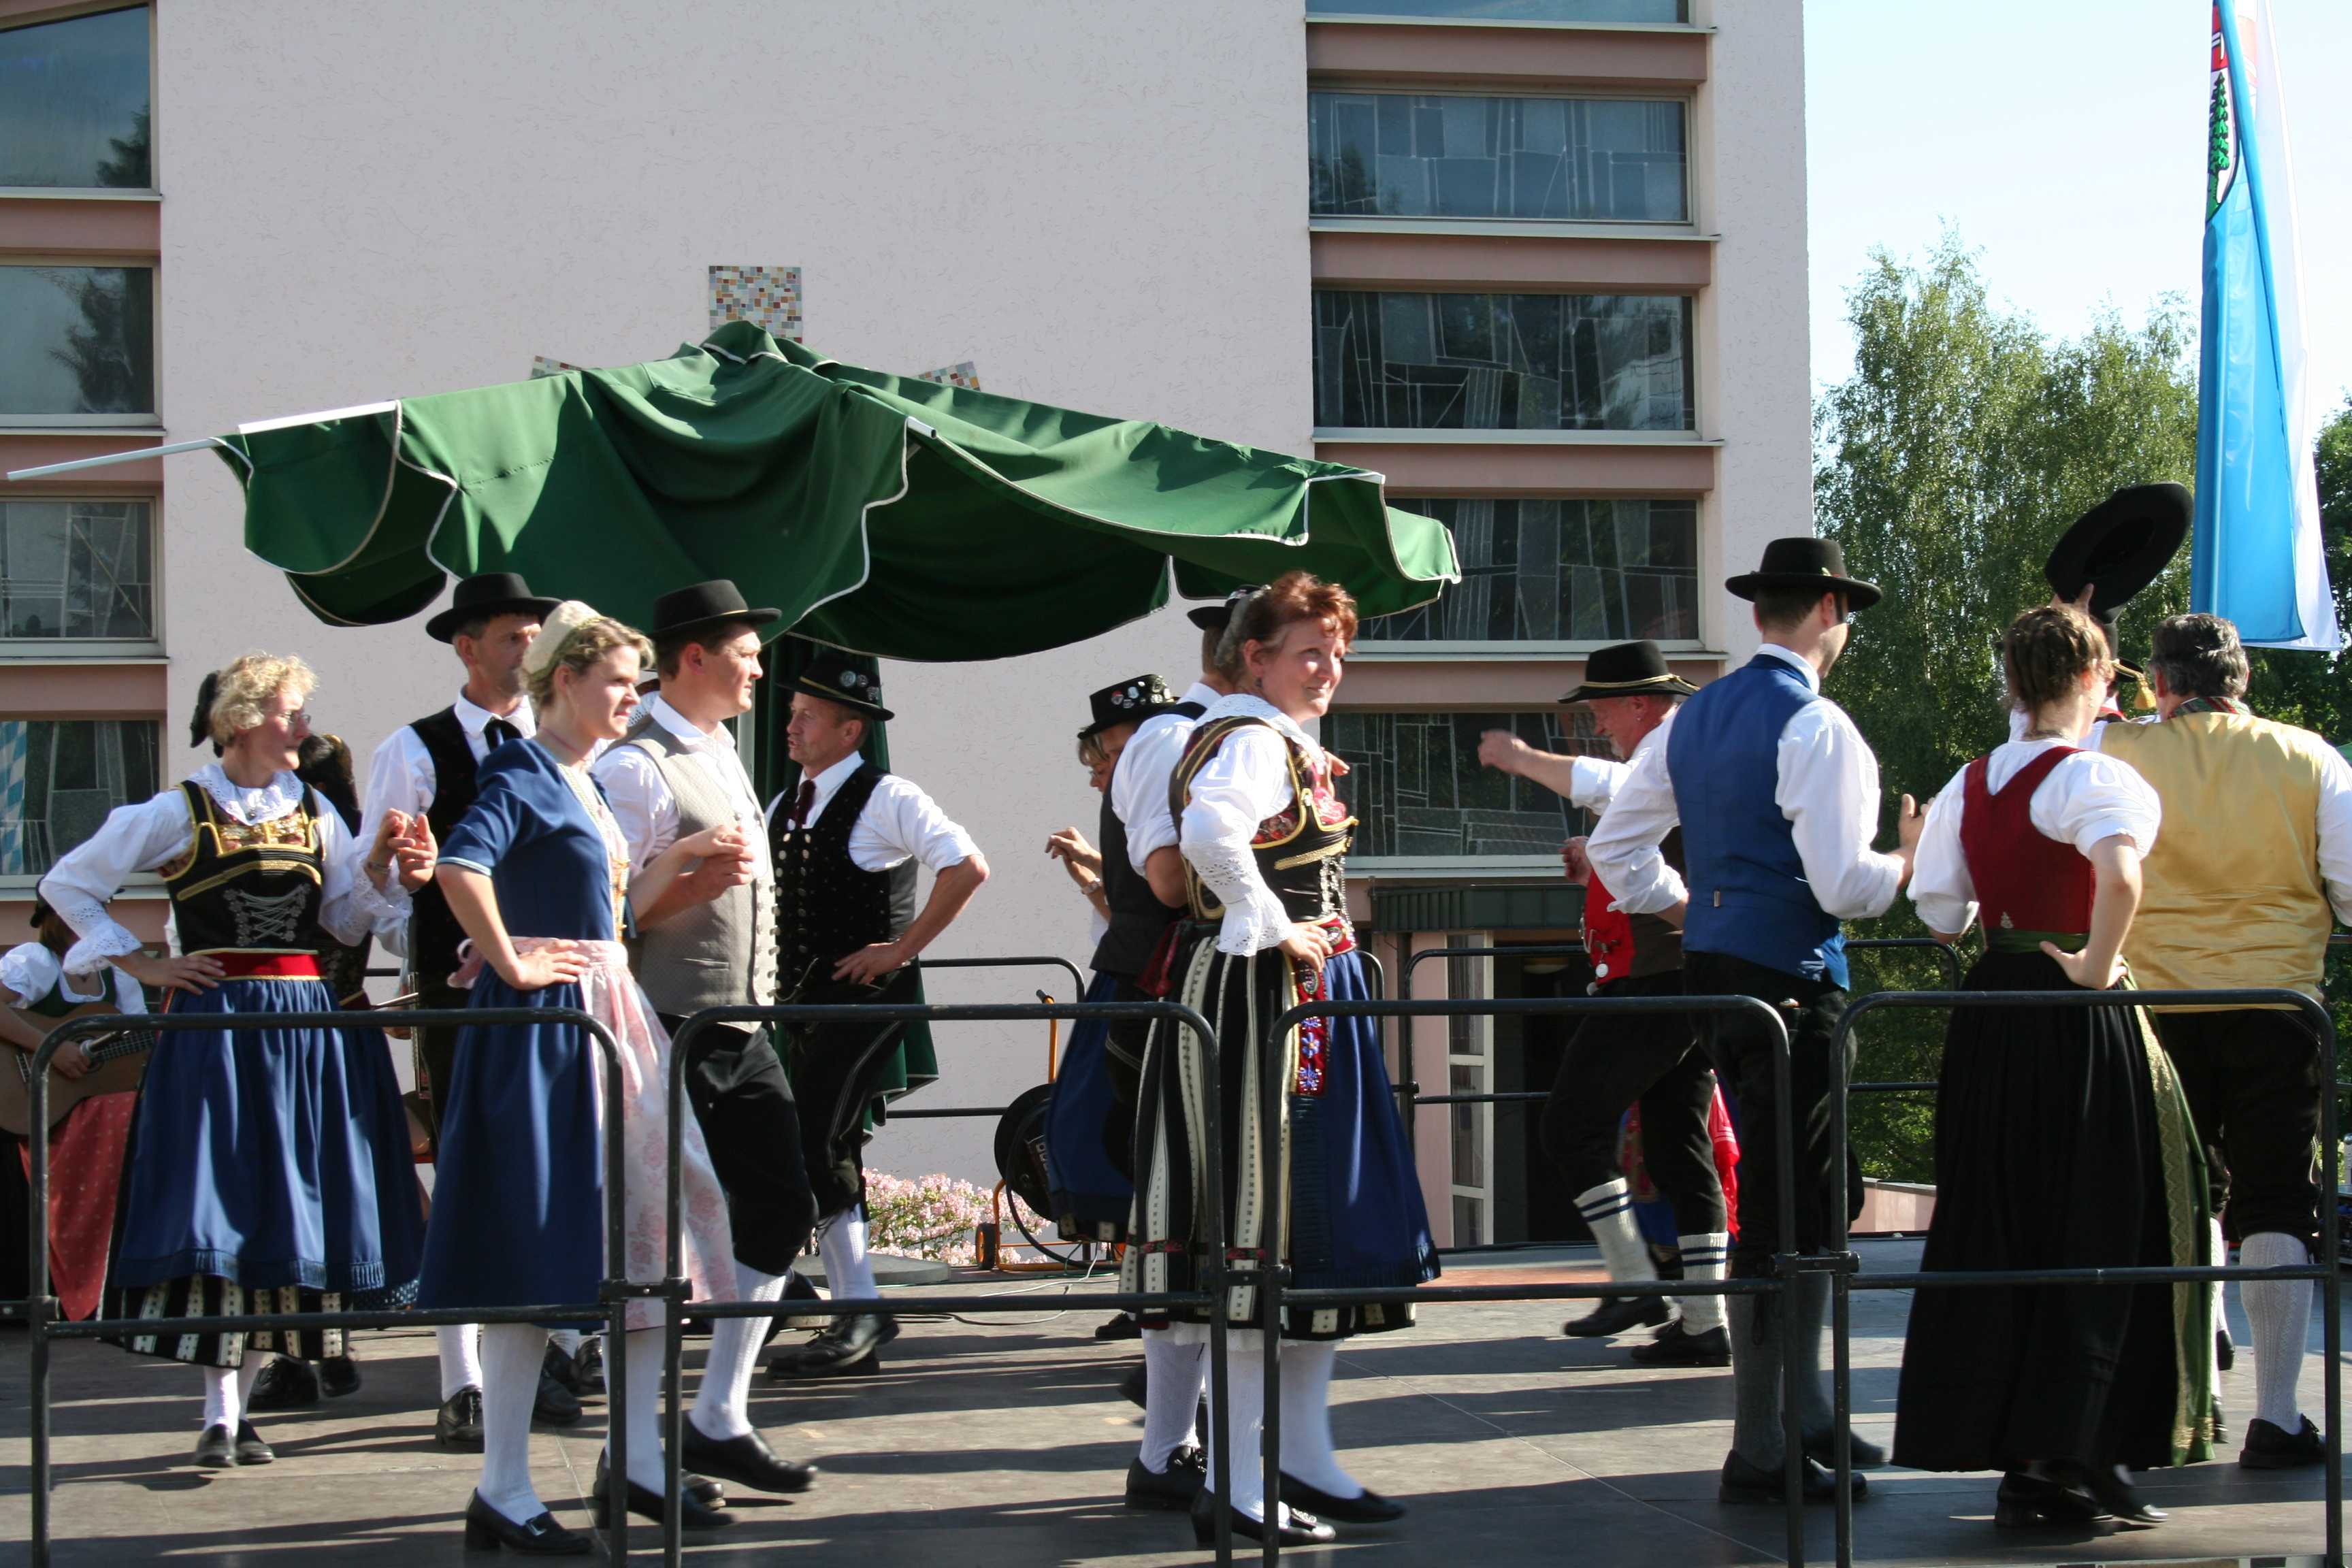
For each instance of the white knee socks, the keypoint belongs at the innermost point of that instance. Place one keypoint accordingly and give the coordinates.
(1609, 1210)
(512, 1356)
(1703, 1259)
(1242, 1424)
(566, 1340)
(2280, 1311)
(722, 1406)
(841, 1243)
(1172, 1396)
(1307, 1452)
(645, 1375)
(461, 1366)
(2218, 1298)
(227, 1387)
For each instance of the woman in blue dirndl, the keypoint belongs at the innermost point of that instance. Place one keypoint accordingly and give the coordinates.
(267, 1170)
(536, 872)
(1265, 838)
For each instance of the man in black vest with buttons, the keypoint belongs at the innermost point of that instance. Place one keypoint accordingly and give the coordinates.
(846, 844)
(427, 769)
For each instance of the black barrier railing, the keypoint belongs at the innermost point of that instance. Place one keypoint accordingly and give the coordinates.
(613, 1294)
(674, 1288)
(1026, 961)
(1843, 1265)
(1272, 1278)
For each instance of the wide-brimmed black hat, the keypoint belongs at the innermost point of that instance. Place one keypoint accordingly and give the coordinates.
(1212, 617)
(1629, 669)
(1805, 562)
(1129, 702)
(2120, 546)
(703, 606)
(832, 676)
(486, 594)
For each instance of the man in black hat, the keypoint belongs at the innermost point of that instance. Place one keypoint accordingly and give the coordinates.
(846, 844)
(1613, 1062)
(712, 942)
(427, 769)
(1776, 797)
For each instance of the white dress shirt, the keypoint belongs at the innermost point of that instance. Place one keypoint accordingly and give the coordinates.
(1138, 785)
(154, 832)
(30, 971)
(1593, 781)
(400, 775)
(2084, 800)
(1826, 786)
(642, 800)
(1244, 782)
(900, 823)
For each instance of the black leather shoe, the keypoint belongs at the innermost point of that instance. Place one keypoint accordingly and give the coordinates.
(1170, 1490)
(746, 1460)
(1822, 1449)
(487, 1530)
(2220, 1423)
(2026, 1499)
(797, 1289)
(1302, 1529)
(1368, 1508)
(646, 1503)
(338, 1376)
(1744, 1482)
(283, 1384)
(1617, 1315)
(556, 1405)
(2120, 1498)
(251, 1448)
(1123, 1327)
(590, 1362)
(1136, 1386)
(217, 1450)
(2269, 1448)
(1677, 1346)
(459, 1424)
(699, 1489)
(850, 1347)
(560, 1366)
(2225, 1353)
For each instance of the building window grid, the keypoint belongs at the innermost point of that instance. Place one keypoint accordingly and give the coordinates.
(1654, 12)
(91, 358)
(83, 87)
(1544, 570)
(77, 572)
(1419, 792)
(1469, 1070)
(59, 777)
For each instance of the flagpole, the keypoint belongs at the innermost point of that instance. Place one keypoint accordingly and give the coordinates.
(134, 455)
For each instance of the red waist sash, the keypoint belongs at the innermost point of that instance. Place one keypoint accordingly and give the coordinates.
(266, 965)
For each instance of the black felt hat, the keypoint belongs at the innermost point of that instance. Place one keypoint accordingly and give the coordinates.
(1129, 703)
(1212, 617)
(486, 594)
(1629, 669)
(1805, 562)
(832, 676)
(2120, 546)
(702, 605)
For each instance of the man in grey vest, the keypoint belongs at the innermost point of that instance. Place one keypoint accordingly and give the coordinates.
(709, 941)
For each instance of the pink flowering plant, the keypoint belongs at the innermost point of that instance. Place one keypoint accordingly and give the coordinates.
(932, 1216)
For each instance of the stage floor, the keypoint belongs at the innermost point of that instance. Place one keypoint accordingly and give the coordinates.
(981, 1445)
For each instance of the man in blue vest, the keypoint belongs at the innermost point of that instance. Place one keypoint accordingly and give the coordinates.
(1777, 796)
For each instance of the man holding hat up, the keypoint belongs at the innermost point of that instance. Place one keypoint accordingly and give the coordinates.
(1616, 1061)
(427, 769)
(846, 844)
(709, 941)
(1777, 795)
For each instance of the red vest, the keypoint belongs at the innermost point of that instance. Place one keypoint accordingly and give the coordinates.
(2024, 881)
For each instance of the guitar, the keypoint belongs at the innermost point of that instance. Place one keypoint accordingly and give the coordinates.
(118, 1061)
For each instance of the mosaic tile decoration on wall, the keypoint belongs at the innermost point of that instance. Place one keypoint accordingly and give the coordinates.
(963, 373)
(543, 366)
(767, 297)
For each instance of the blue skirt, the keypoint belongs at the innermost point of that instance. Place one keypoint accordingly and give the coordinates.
(269, 1158)
(1091, 1195)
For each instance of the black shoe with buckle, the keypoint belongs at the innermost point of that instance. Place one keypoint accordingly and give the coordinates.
(1367, 1507)
(1301, 1529)
(216, 1449)
(701, 1506)
(849, 1348)
(1864, 1454)
(460, 1424)
(1170, 1491)
(1618, 1315)
(747, 1460)
(2270, 1449)
(1675, 1346)
(487, 1530)
(556, 1406)
(2026, 1499)
(1744, 1482)
(339, 1376)
(284, 1384)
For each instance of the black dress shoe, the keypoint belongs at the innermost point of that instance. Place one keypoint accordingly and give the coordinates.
(796, 1288)
(1302, 1529)
(1822, 1449)
(2027, 1499)
(1136, 1386)
(590, 1362)
(338, 1376)
(1123, 1327)
(1366, 1507)
(849, 1348)
(1744, 1482)
(746, 1460)
(487, 1530)
(646, 1503)
(2270, 1449)
(460, 1424)
(2120, 1498)
(251, 1448)
(561, 1365)
(2225, 1354)
(699, 1489)
(556, 1405)
(1675, 1346)
(1170, 1490)
(217, 1450)
(1617, 1315)
(284, 1384)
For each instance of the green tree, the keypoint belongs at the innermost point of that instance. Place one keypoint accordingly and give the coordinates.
(2312, 689)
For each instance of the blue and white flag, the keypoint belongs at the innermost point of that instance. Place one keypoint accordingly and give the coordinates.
(2255, 554)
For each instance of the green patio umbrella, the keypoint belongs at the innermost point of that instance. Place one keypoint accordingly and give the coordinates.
(887, 514)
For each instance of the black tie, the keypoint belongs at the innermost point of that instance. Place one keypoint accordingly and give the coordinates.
(496, 733)
(803, 802)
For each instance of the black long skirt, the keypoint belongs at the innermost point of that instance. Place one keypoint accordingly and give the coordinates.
(2062, 1140)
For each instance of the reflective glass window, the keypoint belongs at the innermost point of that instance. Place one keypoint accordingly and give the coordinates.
(76, 340)
(76, 570)
(1423, 155)
(74, 102)
(1542, 570)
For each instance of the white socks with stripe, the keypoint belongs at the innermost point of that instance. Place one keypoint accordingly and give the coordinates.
(461, 1364)
(2280, 1311)
(512, 1354)
(1703, 1259)
(1172, 1396)
(722, 1406)
(841, 1244)
(1609, 1210)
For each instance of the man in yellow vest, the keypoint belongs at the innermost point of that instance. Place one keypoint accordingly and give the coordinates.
(2252, 868)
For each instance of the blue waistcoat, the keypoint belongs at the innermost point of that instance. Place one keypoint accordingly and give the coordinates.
(1749, 896)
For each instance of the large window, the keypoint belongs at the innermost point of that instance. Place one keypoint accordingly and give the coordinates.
(59, 778)
(1652, 11)
(73, 102)
(1542, 570)
(76, 570)
(76, 341)
(1502, 361)
(1418, 156)
(1418, 791)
